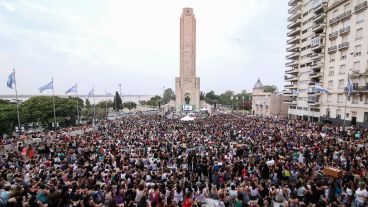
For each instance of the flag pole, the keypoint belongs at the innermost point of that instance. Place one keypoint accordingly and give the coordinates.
(76, 96)
(94, 104)
(53, 100)
(16, 99)
(106, 104)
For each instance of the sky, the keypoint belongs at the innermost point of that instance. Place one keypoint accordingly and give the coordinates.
(102, 44)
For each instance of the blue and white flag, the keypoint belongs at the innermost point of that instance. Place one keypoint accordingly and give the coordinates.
(11, 80)
(47, 86)
(320, 89)
(349, 86)
(295, 92)
(91, 93)
(73, 89)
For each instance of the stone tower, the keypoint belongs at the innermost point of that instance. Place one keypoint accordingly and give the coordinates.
(187, 86)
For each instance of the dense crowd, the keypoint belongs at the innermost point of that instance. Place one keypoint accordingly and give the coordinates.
(225, 160)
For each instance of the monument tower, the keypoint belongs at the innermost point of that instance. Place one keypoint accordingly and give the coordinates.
(187, 86)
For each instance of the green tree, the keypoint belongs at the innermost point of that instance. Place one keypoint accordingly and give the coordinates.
(8, 117)
(269, 88)
(129, 105)
(211, 98)
(168, 95)
(142, 103)
(117, 102)
(226, 98)
(154, 101)
(88, 104)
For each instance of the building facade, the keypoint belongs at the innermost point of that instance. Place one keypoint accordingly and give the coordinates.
(346, 56)
(267, 103)
(187, 86)
(307, 28)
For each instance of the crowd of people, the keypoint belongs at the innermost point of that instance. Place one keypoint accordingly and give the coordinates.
(229, 160)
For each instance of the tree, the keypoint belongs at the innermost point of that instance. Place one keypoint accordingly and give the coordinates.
(269, 88)
(88, 104)
(154, 101)
(211, 98)
(129, 105)
(39, 109)
(142, 103)
(117, 102)
(8, 117)
(226, 98)
(168, 95)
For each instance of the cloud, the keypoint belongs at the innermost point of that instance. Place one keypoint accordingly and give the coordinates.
(136, 40)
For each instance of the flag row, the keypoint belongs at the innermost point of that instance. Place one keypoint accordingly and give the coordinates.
(11, 83)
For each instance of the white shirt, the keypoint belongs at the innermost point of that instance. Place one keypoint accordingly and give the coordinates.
(361, 195)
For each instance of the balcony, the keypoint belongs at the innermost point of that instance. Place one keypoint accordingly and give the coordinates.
(293, 48)
(313, 100)
(361, 89)
(334, 21)
(294, 17)
(316, 56)
(345, 15)
(333, 35)
(345, 31)
(316, 65)
(318, 28)
(316, 41)
(290, 86)
(294, 40)
(292, 71)
(319, 6)
(294, 32)
(293, 2)
(344, 46)
(295, 8)
(360, 7)
(295, 24)
(314, 83)
(315, 75)
(294, 55)
(332, 49)
(318, 19)
(292, 63)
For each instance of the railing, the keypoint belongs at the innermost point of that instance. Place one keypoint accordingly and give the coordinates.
(344, 30)
(340, 17)
(333, 35)
(360, 7)
(318, 3)
(332, 48)
(344, 45)
(345, 14)
(316, 41)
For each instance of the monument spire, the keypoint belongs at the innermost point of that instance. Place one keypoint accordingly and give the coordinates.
(187, 86)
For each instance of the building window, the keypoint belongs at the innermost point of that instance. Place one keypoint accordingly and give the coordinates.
(366, 99)
(331, 71)
(338, 114)
(340, 98)
(355, 99)
(365, 116)
(356, 66)
(347, 115)
(360, 18)
(332, 57)
(344, 38)
(343, 55)
(342, 69)
(347, 7)
(330, 85)
(359, 34)
(341, 84)
(355, 86)
(329, 97)
(358, 50)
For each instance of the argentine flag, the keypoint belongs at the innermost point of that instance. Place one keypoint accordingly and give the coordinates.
(11, 80)
(320, 89)
(349, 86)
(91, 93)
(73, 89)
(47, 86)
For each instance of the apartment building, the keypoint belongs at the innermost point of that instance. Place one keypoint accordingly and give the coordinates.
(267, 103)
(307, 29)
(346, 55)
